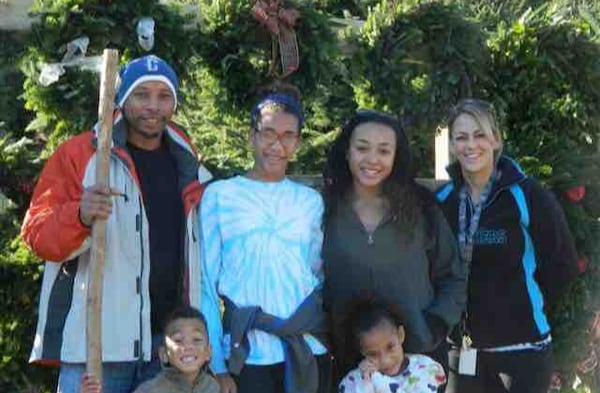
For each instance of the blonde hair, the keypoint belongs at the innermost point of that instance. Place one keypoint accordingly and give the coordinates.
(485, 116)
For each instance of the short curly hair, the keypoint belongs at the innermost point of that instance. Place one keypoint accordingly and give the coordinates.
(360, 316)
(184, 312)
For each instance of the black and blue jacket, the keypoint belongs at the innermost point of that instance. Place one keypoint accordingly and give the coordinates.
(523, 256)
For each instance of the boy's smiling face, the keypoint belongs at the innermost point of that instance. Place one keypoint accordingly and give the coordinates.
(186, 346)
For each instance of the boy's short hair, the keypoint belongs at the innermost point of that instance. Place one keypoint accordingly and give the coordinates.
(184, 312)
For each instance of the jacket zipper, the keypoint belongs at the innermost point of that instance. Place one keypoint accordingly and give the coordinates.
(370, 238)
(138, 350)
(500, 190)
(487, 204)
(141, 235)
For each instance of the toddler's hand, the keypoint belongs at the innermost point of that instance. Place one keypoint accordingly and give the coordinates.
(367, 367)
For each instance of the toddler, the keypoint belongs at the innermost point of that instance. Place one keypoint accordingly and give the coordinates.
(375, 329)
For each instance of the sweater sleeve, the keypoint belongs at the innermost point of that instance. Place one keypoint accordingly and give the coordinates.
(447, 273)
(51, 226)
(210, 259)
(553, 242)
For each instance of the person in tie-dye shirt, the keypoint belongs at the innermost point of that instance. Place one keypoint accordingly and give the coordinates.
(261, 236)
(375, 329)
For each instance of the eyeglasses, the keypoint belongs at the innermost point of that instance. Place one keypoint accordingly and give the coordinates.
(287, 139)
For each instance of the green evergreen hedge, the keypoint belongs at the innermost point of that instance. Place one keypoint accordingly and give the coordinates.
(540, 67)
(232, 62)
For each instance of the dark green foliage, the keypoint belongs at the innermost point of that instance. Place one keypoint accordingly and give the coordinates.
(357, 8)
(19, 278)
(18, 151)
(417, 65)
(69, 106)
(21, 281)
(233, 60)
(547, 80)
(13, 116)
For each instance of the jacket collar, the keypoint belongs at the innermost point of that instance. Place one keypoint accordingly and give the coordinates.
(173, 134)
(177, 377)
(177, 142)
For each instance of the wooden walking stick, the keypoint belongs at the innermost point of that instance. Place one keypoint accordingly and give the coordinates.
(108, 78)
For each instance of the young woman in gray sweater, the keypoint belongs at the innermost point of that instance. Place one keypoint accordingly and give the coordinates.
(385, 235)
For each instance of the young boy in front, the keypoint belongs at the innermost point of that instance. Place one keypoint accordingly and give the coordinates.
(184, 357)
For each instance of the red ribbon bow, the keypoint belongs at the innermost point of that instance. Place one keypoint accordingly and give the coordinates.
(273, 16)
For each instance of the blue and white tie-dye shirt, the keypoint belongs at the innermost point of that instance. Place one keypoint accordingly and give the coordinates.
(261, 244)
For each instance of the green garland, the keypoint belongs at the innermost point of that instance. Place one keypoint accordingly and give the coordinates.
(233, 61)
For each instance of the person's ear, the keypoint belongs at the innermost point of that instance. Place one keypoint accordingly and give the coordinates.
(451, 144)
(401, 334)
(162, 355)
(497, 141)
(251, 137)
(294, 149)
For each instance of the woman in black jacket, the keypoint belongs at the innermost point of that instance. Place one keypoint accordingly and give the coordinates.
(518, 251)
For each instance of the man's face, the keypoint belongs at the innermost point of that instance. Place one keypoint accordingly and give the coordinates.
(148, 109)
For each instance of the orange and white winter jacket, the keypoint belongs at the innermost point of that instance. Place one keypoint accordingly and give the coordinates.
(54, 232)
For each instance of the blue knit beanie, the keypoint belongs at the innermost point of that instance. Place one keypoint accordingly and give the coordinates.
(144, 69)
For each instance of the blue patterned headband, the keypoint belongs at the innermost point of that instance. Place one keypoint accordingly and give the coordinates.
(289, 102)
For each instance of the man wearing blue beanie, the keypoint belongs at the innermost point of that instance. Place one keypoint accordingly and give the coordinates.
(152, 248)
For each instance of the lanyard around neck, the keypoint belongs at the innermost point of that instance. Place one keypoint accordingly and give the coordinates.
(466, 234)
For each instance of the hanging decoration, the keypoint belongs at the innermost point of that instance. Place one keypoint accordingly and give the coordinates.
(582, 264)
(73, 57)
(575, 194)
(145, 33)
(279, 21)
(556, 383)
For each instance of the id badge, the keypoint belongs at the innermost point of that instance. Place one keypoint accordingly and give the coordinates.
(467, 361)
